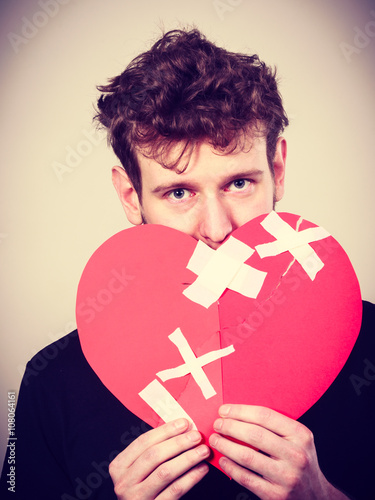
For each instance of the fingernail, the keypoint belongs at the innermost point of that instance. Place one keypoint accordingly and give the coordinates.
(202, 451)
(202, 468)
(180, 423)
(224, 410)
(223, 462)
(218, 424)
(213, 440)
(194, 436)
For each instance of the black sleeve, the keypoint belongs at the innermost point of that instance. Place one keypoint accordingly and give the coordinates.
(39, 472)
(343, 419)
(64, 429)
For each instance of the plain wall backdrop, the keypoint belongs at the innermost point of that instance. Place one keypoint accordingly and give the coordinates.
(55, 52)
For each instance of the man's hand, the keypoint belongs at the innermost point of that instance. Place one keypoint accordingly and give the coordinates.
(283, 463)
(163, 463)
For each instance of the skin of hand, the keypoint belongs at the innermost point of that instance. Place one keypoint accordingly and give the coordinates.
(281, 462)
(163, 463)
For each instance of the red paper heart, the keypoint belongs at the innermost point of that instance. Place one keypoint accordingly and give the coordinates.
(290, 342)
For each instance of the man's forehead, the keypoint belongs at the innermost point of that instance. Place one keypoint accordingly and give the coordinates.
(206, 160)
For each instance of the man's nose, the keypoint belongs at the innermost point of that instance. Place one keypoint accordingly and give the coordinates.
(216, 222)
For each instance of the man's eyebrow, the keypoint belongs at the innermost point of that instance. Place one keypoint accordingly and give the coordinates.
(189, 184)
(174, 185)
(255, 172)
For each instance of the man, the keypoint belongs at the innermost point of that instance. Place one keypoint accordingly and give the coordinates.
(197, 130)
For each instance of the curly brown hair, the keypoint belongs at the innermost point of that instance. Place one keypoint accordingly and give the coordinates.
(186, 89)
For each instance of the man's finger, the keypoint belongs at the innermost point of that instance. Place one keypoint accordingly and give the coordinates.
(247, 457)
(168, 473)
(158, 435)
(264, 417)
(156, 457)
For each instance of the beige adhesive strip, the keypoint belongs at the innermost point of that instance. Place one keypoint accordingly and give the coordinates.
(200, 258)
(193, 365)
(163, 403)
(296, 242)
(220, 269)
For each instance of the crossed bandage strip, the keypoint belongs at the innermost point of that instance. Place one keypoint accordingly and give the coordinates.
(225, 267)
(158, 397)
(193, 365)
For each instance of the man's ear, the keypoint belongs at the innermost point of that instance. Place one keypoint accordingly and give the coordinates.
(279, 163)
(128, 195)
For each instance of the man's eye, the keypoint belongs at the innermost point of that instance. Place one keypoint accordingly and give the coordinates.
(179, 194)
(239, 185)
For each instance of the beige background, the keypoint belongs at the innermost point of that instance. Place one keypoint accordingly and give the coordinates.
(49, 228)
